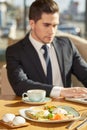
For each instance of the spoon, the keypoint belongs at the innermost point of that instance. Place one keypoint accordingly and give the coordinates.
(83, 116)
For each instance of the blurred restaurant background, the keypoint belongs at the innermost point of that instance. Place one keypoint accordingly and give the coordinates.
(14, 23)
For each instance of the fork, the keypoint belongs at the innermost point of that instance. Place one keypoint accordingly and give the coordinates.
(83, 116)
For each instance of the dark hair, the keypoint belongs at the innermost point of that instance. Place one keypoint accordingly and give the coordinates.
(39, 7)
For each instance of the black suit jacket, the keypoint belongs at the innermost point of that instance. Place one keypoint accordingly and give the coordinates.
(25, 71)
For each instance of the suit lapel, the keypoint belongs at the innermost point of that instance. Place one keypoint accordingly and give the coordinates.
(59, 51)
(30, 53)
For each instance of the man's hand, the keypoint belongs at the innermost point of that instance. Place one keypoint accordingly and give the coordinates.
(74, 92)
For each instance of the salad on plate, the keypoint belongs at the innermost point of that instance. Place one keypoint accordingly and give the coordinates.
(50, 113)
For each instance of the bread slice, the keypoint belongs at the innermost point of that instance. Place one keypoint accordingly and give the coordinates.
(30, 115)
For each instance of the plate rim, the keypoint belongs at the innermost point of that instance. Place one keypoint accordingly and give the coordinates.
(76, 100)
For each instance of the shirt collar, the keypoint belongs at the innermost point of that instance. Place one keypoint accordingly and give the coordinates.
(38, 45)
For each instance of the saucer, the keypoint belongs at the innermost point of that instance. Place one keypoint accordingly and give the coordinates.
(45, 100)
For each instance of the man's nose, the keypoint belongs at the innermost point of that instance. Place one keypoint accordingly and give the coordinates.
(51, 30)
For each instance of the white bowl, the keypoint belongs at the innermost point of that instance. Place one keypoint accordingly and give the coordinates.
(18, 120)
(8, 117)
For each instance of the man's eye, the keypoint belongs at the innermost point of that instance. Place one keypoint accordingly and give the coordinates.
(46, 25)
(54, 26)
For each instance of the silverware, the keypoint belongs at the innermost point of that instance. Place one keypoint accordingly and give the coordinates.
(81, 125)
(83, 116)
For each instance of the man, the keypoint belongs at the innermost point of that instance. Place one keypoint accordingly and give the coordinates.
(27, 67)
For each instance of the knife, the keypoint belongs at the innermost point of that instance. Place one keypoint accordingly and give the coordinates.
(81, 125)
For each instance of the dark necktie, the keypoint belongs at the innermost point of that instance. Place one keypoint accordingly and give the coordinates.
(48, 63)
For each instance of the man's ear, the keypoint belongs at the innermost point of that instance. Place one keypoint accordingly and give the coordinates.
(32, 23)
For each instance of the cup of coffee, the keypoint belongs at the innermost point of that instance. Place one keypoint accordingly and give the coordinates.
(35, 95)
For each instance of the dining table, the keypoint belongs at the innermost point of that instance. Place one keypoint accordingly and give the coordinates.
(12, 104)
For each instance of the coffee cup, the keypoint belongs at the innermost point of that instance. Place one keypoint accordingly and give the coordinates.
(35, 95)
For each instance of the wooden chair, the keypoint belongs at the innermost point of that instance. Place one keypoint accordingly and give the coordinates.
(6, 88)
(12, 41)
(80, 43)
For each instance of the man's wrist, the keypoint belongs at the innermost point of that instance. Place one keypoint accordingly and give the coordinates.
(56, 91)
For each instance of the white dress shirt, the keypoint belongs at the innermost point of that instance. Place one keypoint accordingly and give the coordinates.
(57, 80)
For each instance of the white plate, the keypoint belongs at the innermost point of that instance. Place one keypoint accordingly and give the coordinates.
(67, 108)
(26, 100)
(77, 100)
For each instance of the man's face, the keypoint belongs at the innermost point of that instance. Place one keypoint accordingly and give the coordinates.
(45, 28)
